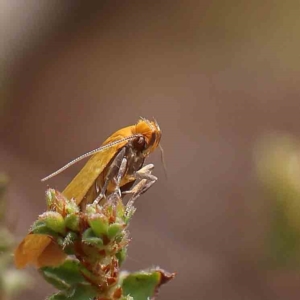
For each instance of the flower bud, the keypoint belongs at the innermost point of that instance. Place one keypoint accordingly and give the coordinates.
(114, 229)
(99, 224)
(54, 221)
(72, 222)
(90, 238)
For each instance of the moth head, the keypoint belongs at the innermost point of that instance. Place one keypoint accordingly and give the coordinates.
(151, 133)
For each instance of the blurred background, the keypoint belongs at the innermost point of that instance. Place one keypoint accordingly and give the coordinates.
(217, 76)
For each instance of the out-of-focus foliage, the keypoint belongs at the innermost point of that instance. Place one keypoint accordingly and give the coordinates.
(12, 281)
(278, 168)
(144, 284)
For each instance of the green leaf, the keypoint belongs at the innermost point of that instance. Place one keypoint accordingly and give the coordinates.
(143, 285)
(65, 275)
(40, 227)
(78, 292)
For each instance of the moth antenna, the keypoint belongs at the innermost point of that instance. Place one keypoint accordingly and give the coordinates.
(156, 124)
(90, 153)
(149, 123)
(163, 160)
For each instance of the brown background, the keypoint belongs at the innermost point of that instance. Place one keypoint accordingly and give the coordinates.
(216, 75)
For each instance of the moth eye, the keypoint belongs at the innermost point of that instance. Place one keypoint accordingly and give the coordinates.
(140, 143)
(152, 139)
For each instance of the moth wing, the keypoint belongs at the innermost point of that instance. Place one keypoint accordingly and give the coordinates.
(82, 182)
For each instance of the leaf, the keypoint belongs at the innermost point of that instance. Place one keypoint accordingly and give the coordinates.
(78, 292)
(144, 285)
(65, 275)
(40, 227)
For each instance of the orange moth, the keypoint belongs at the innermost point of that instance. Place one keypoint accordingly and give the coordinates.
(113, 167)
(116, 163)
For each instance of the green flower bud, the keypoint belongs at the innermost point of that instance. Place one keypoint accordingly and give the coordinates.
(54, 221)
(120, 209)
(114, 230)
(99, 224)
(72, 207)
(50, 197)
(72, 222)
(90, 238)
(130, 210)
(90, 209)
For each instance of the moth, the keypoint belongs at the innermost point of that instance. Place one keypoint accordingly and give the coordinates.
(115, 165)
(113, 168)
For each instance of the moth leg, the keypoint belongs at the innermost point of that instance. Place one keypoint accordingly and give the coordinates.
(113, 197)
(115, 172)
(119, 176)
(145, 173)
(121, 173)
(144, 181)
(140, 188)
